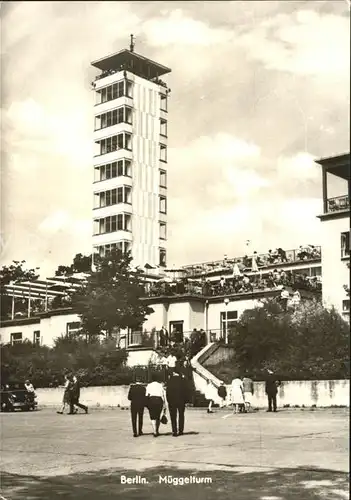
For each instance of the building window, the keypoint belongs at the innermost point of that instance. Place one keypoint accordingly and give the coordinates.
(124, 88)
(119, 222)
(163, 231)
(345, 244)
(111, 170)
(163, 205)
(228, 320)
(73, 328)
(36, 337)
(114, 143)
(163, 127)
(164, 103)
(122, 194)
(114, 117)
(16, 338)
(163, 257)
(163, 178)
(163, 152)
(123, 246)
(346, 306)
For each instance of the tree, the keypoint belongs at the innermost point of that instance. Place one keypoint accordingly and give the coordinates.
(16, 272)
(81, 264)
(110, 297)
(311, 342)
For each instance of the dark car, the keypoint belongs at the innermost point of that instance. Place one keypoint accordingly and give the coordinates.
(15, 396)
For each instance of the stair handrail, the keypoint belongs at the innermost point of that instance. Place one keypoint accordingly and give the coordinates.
(200, 370)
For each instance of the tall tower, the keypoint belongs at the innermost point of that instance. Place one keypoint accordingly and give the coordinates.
(130, 157)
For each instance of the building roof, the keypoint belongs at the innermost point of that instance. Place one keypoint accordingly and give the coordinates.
(338, 165)
(132, 62)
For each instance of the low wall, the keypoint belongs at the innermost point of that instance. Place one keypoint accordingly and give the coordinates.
(220, 354)
(109, 396)
(323, 393)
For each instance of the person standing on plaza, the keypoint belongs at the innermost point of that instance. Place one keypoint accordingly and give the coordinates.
(156, 402)
(67, 393)
(222, 393)
(209, 396)
(176, 393)
(237, 394)
(136, 396)
(248, 388)
(272, 385)
(75, 395)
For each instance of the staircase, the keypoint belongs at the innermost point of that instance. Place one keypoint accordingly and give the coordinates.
(202, 376)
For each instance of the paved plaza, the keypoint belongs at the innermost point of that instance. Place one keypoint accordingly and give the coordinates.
(293, 454)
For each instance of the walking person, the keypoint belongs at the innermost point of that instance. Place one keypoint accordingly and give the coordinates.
(248, 388)
(136, 396)
(75, 395)
(222, 393)
(237, 394)
(67, 393)
(176, 393)
(271, 390)
(156, 402)
(209, 396)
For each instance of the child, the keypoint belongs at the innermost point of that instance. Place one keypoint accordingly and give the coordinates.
(222, 393)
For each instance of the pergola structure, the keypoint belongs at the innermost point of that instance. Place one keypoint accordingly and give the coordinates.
(44, 290)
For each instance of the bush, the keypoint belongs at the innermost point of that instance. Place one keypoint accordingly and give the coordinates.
(96, 363)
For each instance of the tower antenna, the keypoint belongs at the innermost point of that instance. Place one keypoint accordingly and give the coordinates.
(132, 44)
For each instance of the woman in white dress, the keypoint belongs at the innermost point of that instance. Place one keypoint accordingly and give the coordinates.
(237, 394)
(209, 396)
(156, 402)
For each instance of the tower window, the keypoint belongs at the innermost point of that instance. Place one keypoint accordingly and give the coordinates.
(119, 89)
(164, 104)
(119, 222)
(163, 257)
(113, 117)
(122, 194)
(114, 143)
(163, 178)
(163, 205)
(163, 231)
(163, 152)
(163, 127)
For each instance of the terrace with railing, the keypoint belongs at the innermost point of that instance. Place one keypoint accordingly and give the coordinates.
(235, 285)
(338, 203)
(278, 257)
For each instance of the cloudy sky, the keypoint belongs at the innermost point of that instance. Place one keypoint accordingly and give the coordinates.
(259, 90)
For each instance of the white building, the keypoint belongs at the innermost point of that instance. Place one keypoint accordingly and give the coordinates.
(130, 162)
(336, 232)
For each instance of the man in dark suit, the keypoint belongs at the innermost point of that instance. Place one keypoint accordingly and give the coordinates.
(136, 396)
(271, 390)
(75, 395)
(177, 396)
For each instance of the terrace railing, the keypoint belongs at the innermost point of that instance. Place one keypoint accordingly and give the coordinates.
(266, 260)
(337, 204)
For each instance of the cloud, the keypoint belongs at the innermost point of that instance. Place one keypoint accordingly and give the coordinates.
(177, 28)
(54, 222)
(305, 43)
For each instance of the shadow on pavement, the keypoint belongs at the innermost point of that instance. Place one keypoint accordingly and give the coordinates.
(277, 484)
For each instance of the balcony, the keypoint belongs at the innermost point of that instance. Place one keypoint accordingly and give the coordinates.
(338, 204)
